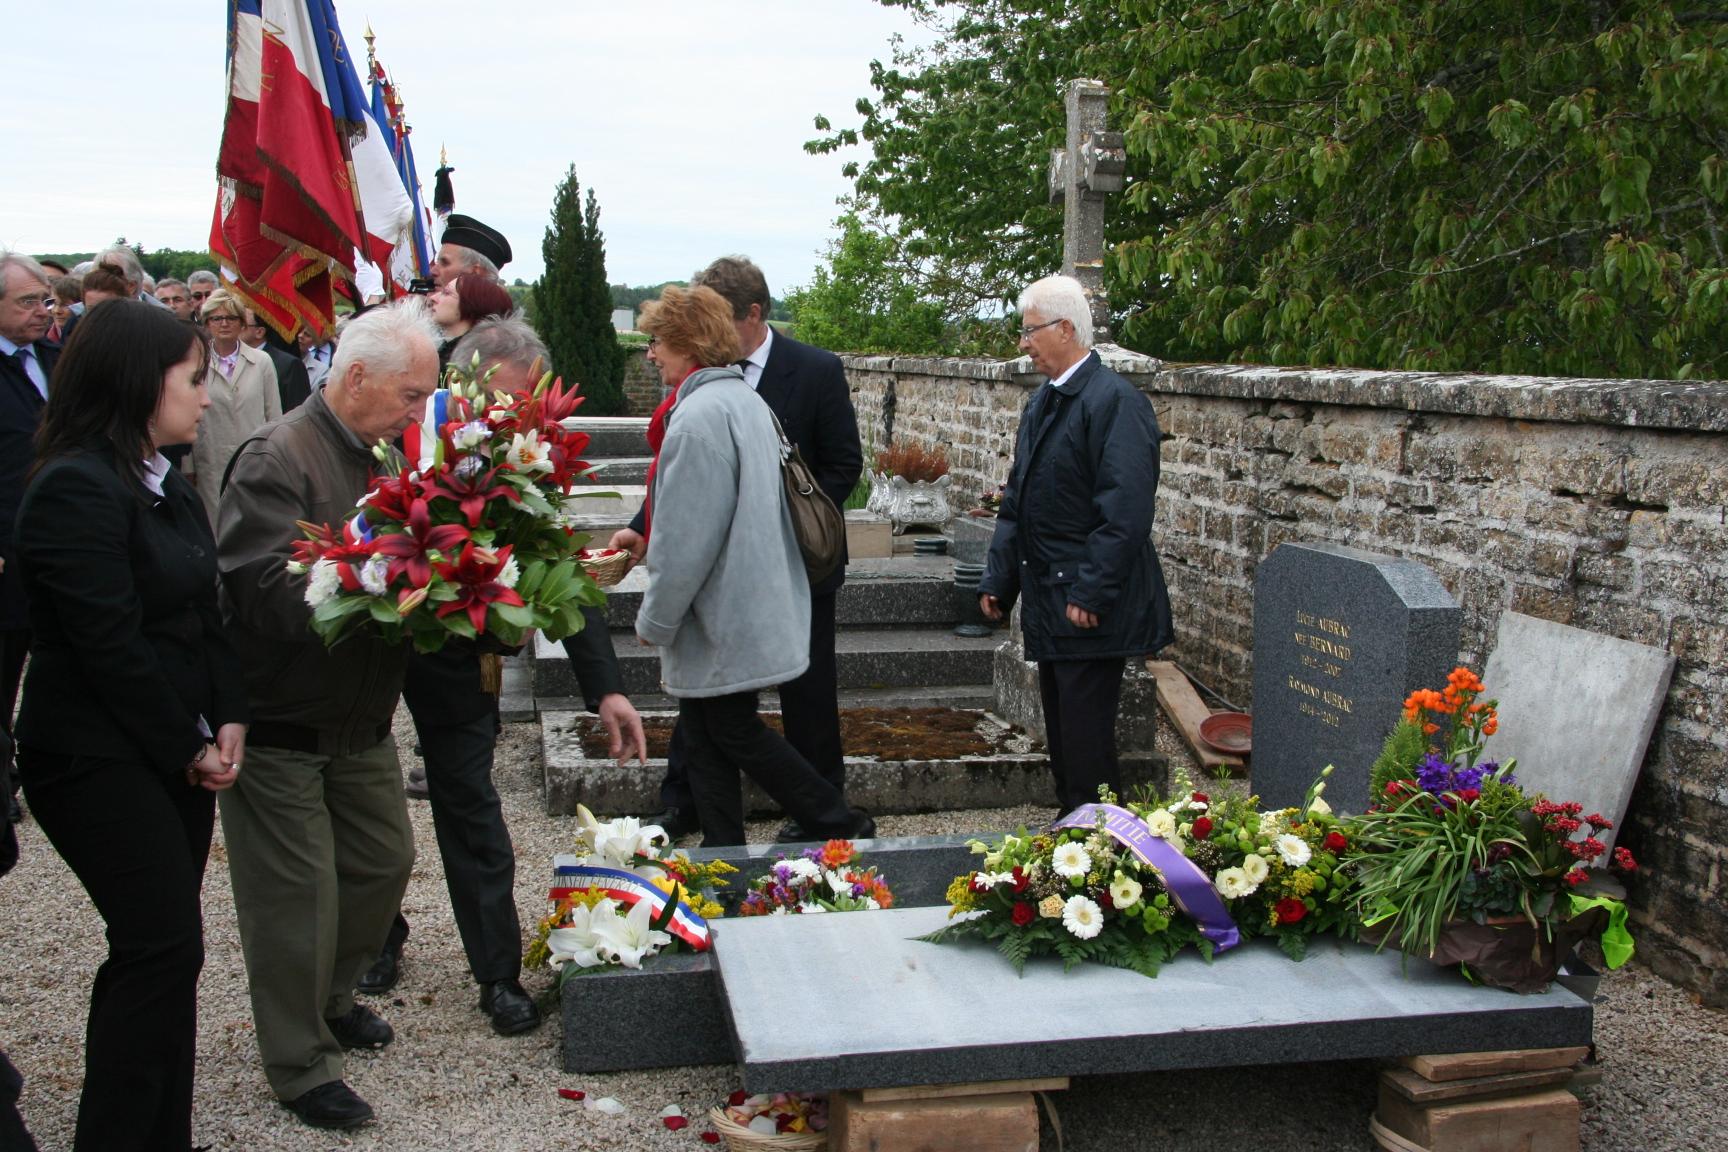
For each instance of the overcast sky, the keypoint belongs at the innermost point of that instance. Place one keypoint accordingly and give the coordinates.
(687, 118)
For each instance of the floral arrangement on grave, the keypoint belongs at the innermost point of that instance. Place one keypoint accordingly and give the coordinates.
(1277, 871)
(470, 534)
(1454, 861)
(617, 900)
(1097, 886)
(990, 503)
(826, 879)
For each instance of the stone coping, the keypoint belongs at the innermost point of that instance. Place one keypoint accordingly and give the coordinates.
(1682, 406)
(824, 1003)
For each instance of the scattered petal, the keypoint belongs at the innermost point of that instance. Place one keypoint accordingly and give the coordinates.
(572, 1093)
(671, 1110)
(674, 1122)
(605, 1104)
(710, 1137)
(737, 1098)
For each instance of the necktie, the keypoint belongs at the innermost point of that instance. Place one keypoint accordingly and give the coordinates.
(25, 358)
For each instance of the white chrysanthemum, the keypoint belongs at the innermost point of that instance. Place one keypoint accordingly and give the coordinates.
(510, 573)
(1254, 866)
(991, 879)
(802, 868)
(324, 583)
(1271, 823)
(1233, 884)
(1071, 860)
(1125, 891)
(1293, 850)
(375, 575)
(1162, 824)
(1082, 917)
(527, 453)
(471, 435)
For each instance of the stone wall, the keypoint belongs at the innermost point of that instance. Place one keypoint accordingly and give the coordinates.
(1598, 503)
(642, 388)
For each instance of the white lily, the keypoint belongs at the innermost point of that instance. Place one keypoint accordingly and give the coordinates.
(579, 943)
(628, 939)
(527, 453)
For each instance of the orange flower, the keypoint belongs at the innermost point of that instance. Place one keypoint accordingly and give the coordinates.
(836, 853)
(1491, 727)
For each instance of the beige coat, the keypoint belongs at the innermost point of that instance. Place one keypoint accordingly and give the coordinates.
(238, 408)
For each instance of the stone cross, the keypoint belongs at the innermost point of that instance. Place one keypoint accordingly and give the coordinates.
(1081, 174)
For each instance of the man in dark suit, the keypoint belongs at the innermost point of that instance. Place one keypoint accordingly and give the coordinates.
(806, 387)
(26, 361)
(292, 381)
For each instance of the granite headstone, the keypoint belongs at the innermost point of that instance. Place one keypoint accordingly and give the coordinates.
(1576, 709)
(1341, 637)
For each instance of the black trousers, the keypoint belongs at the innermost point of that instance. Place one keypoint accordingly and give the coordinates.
(138, 843)
(14, 1137)
(809, 711)
(1080, 700)
(479, 860)
(14, 646)
(724, 736)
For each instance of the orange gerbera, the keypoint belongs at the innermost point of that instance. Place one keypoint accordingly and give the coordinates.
(837, 852)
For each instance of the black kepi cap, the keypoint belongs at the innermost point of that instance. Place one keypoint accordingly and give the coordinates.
(470, 233)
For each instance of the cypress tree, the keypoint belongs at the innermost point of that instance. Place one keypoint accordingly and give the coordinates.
(573, 303)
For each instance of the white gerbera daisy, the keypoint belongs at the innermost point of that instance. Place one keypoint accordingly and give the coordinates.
(1071, 860)
(1293, 850)
(510, 573)
(1082, 917)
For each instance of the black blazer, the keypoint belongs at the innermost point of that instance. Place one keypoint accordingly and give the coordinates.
(292, 381)
(127, 646)
(20, 411)
(443, 687)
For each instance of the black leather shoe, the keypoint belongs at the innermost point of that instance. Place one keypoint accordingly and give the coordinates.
(676, 822)
(863, 825)
(361, 1028)
(512, 1011)
(793, 832)
(332, 1105)
(383, 974)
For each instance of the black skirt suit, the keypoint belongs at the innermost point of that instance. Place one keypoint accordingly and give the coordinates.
(127, 655)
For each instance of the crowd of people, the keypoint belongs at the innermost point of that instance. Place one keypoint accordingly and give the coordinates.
(158, 449)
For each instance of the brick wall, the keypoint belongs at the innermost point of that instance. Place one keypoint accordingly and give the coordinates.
(1596, 503)
(642, 389)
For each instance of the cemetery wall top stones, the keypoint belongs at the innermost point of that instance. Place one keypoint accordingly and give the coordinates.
(1601, 504)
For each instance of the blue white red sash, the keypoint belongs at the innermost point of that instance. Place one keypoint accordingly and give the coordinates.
(628, 889)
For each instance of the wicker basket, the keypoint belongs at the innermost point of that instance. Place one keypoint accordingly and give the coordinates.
(606, 570)
(741, 1139)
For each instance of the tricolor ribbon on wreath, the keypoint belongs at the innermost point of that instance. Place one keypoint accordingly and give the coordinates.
(627, 888)
(1187, 884)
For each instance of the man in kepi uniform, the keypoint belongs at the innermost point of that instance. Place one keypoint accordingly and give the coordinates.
(469, 247)
(806, 387)
(1074, 538)
(319, 844)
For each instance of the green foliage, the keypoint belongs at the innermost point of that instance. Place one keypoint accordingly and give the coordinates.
(163, 264)
(867, 299)
(572, 304)
(1403, 748)
(1482, 185)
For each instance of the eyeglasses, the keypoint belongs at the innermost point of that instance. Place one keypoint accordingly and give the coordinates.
(200, 295)
(31, 303)
(653, 341)
(1027, 332)
(222, 318)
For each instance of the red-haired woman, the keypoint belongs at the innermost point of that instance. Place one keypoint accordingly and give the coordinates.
(463, 303)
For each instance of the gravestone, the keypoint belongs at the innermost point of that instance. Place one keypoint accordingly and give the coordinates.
(1092, 164)
(1576, 709)
(1341, 638)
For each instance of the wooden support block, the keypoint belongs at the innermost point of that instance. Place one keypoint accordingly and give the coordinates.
(1004, 1122)
(1406, 1085)
(1187, 712)
(1464, 1065)
(978, 1088)
(1539, 1122)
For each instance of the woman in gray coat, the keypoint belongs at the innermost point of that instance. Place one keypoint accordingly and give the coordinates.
(728, 603)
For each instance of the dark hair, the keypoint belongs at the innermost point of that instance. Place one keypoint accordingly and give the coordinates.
(478, 297)
(740, 282)
(68, 288)
(108, 382)
(105, 278)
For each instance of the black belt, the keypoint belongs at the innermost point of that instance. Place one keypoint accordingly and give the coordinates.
(302, 738)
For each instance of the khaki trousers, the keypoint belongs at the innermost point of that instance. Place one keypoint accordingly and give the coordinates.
(319, 852)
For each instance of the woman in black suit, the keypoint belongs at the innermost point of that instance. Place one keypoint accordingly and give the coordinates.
(134, 711)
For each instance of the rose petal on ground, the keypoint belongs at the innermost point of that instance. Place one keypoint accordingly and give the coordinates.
(710, 1137)
(572, 1094)
(674, 1122)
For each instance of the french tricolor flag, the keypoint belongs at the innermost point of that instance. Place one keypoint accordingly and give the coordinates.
(307, 174)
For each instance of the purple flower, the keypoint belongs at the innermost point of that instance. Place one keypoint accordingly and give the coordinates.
(1433, 774)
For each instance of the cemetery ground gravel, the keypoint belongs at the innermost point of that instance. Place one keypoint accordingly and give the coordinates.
(449, 1083)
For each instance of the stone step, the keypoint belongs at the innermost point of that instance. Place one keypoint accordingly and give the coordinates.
(613, 436)
(1006, 780)
(614, 470)
(878, 593)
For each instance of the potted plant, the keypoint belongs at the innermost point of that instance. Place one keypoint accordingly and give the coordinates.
(1455, 862)
(916, 482)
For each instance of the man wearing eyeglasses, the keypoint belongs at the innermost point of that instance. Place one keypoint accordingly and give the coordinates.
(199, 285)
(1073, 538)
(26, 361)
(175, 294)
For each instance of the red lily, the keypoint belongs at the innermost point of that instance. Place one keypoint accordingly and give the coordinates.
(471, 494)
(408, 550)
(390, 497)
(475, 573)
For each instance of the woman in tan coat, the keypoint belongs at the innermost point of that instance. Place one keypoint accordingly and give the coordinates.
(243, 396)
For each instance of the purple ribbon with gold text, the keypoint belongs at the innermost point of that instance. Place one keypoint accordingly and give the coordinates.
(1187, 884)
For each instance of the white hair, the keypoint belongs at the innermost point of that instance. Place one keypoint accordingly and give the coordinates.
(202, 276)
(10, 259)
(385, 338)
(502, 340)
(126, 260)
(469, 258)
(1060, 298)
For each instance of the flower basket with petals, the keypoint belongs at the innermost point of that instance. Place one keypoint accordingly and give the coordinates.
(787, 1121)
(472, 536)
(1453, 851)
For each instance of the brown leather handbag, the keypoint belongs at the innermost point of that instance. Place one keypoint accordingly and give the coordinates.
(818, 524)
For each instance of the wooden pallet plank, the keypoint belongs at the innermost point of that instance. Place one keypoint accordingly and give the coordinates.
(1538, 1122)
(1420, 1090)
(1006, 1122)
(1187, 712)
(978, 1088)
(1464, 1065)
